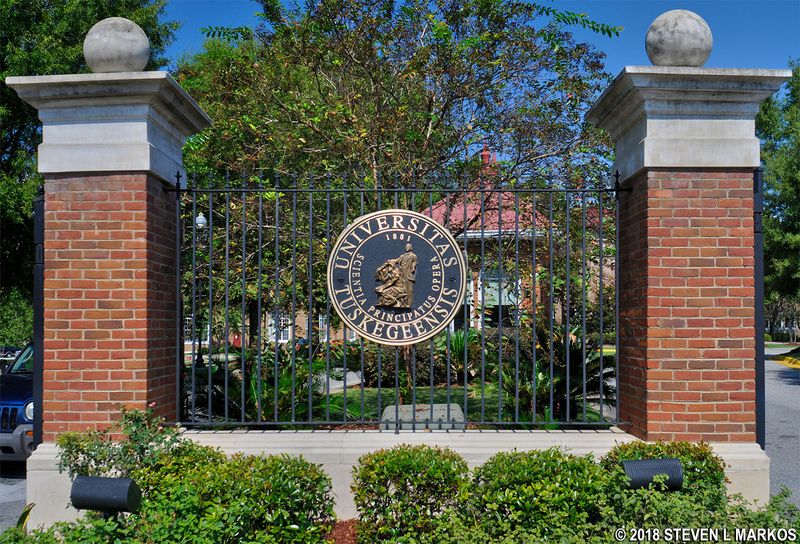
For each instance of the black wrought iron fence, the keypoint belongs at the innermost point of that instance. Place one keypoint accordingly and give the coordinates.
(533, 345)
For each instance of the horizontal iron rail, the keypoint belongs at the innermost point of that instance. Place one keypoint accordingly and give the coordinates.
(317, 190)
(233, 424)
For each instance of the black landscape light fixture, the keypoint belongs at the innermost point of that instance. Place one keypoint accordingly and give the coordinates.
(642, 471)
(107, 495)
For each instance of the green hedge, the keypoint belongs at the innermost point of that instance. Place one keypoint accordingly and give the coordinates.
(192, 493)
(538, 491)
(545, 496)
(701, 467)
(405, 490)
(201, 496)
(702, 501)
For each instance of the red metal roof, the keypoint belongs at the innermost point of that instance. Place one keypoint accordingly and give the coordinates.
(502, 210)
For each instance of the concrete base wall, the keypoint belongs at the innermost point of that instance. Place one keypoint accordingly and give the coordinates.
(338, 453)
(48, 489)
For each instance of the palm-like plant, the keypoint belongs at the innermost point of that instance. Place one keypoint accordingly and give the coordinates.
(543, 387)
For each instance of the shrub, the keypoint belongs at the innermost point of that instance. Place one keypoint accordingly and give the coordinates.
(402, 491)
(201, 495)
(702, 502)
(195, 491)
(701, 467)
(767, 337)
(94, 453)
(778, 513)
(538, 491)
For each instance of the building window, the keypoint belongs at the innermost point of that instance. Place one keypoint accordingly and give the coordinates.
(322, 323)
(187, 327)
(326, 334)
(280, 327)
(500, 295)
(196, 331)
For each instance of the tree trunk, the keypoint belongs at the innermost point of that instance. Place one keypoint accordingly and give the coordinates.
(252, 319)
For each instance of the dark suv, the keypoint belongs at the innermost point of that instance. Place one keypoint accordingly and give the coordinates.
(16, 408)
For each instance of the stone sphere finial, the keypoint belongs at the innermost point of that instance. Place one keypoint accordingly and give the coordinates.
(678, 38)
(116, 44)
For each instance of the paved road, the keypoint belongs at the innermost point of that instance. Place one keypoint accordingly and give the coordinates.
(12, 493)
(783, 424)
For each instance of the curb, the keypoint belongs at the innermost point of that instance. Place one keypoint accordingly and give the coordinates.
(787, 361)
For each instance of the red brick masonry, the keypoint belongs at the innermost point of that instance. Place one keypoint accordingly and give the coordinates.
(687, 329)
(109, 292)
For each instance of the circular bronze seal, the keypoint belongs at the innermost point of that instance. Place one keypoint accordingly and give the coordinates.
(396, 277)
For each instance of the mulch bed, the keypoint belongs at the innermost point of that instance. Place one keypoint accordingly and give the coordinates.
(344, 532)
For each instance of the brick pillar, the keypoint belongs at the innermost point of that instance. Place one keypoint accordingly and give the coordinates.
(686, 151)
(111, 149)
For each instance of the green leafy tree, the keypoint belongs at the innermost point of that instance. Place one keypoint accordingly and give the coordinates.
(778, 126)
(396, 93)
(41, 37)
(16, 319)
(399, 91)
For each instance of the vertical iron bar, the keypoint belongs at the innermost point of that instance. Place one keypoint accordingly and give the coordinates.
(275, 314)
(583, 301)
(430, 375)
(380, 383)
(227, 279)
(483, 301)
(600, 296)
(448, 353)
(616, 297)
(500, 284)
(310, 327)
(413, 357)
(380, 349)
(361, 338)
(178, 304)
(292, 318)
(397, 361)
(535, 273)
(551, 309)
(328, 306)
(345, 332)
(429, 186)
(259, 288)
(209, 325)
(467, 313)
(242, 332)
(567, 332)
(396, 390)
(517, 304)
(194, 298)
(38, 315)
(758, 210)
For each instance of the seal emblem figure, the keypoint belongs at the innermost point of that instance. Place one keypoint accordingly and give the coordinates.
(396, 277)
(397, 280)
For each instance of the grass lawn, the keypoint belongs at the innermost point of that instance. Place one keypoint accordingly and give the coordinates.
(609, 350)
(779, 345)
(477, 411)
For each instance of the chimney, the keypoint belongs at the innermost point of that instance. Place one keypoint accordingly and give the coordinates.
(485, 155)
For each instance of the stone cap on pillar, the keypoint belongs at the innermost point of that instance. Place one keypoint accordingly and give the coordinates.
(112, 122)
(684, 117)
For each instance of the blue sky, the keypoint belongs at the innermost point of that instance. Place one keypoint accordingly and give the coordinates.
(747, 33)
